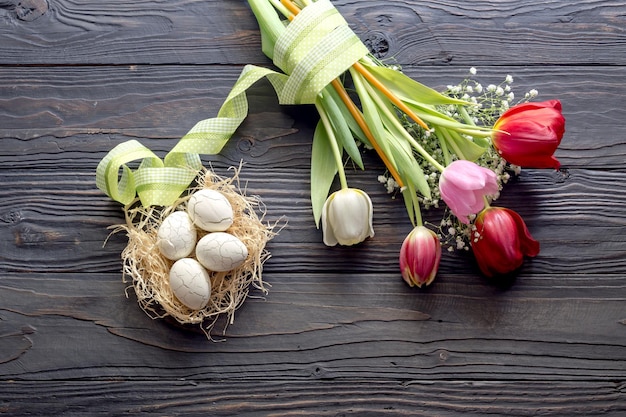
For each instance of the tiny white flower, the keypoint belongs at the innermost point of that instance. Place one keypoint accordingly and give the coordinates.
(508, 79)
(499, 91)
(491, 87)
(479, 88)
(472, 71)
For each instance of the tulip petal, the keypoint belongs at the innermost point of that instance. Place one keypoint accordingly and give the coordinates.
(420, 256)
(465, 175)
(528, 134)
(529, 246)
(347, 217)
(463, 186)
(327, 230)
(503, 241)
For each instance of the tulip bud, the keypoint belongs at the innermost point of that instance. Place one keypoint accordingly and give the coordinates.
(419, 256)
(464, 185)
(528, 134)
(347, 217)
(501, 241)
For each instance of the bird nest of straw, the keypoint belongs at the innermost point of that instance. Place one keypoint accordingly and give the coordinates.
(148, 269)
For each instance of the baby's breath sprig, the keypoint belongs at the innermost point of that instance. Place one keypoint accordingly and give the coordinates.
(488, 103)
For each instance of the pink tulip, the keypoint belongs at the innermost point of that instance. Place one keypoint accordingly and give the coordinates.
(419, 256)
(464, 186)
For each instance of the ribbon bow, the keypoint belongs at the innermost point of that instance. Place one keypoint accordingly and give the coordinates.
(315, 48)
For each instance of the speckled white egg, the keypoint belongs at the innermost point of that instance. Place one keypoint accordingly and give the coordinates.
(210, 210)
(190, 283)
(221, 252)
(176, 236)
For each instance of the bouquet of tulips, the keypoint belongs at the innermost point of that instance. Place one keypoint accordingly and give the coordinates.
(433, 145)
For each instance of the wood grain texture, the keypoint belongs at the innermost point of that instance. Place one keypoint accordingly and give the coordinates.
(49, 112)
(319, 398)
(339, 332)
(224, 32)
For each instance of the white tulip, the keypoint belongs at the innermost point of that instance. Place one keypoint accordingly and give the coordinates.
(347, 217)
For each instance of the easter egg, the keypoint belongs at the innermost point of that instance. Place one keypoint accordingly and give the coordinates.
(176, 236)
(221, 252)
(210, 210)
(190, 283)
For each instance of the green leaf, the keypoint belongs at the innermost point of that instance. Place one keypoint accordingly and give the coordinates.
(407, 88)
(408, 167)
(340, 128)
(435, 118)
(372, 115)
(270, 25)
(323, 170)
(408, 201)
(352, 124)
(468, 149)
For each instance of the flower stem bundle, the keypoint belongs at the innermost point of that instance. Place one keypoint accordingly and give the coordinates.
(394, 113)
(386, 97)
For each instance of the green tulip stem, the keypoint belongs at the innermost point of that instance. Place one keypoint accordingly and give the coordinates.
(453, 145)
(393, 119)
(418, 212)
(282, 9)
(447, 158)
(465, 115)
(333, 143)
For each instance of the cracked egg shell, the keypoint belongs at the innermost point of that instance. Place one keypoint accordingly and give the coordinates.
(221, 252)
(190, 283)
(176, 236)
(210, 210)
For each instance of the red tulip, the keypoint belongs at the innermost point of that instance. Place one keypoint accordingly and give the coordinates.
(419, 256)
(501, 241)
(528, 134)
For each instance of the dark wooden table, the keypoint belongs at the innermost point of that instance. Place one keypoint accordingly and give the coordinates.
(339, 333)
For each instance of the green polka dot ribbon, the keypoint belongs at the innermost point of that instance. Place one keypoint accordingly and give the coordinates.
(315, 48)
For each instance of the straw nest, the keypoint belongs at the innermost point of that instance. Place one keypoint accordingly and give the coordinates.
(148, 269)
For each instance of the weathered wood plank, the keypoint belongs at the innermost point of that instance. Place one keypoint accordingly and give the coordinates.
(314, 398)
(339, 331)
(74, 116)
(57, 221)
(225, 32)
(323, 326)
